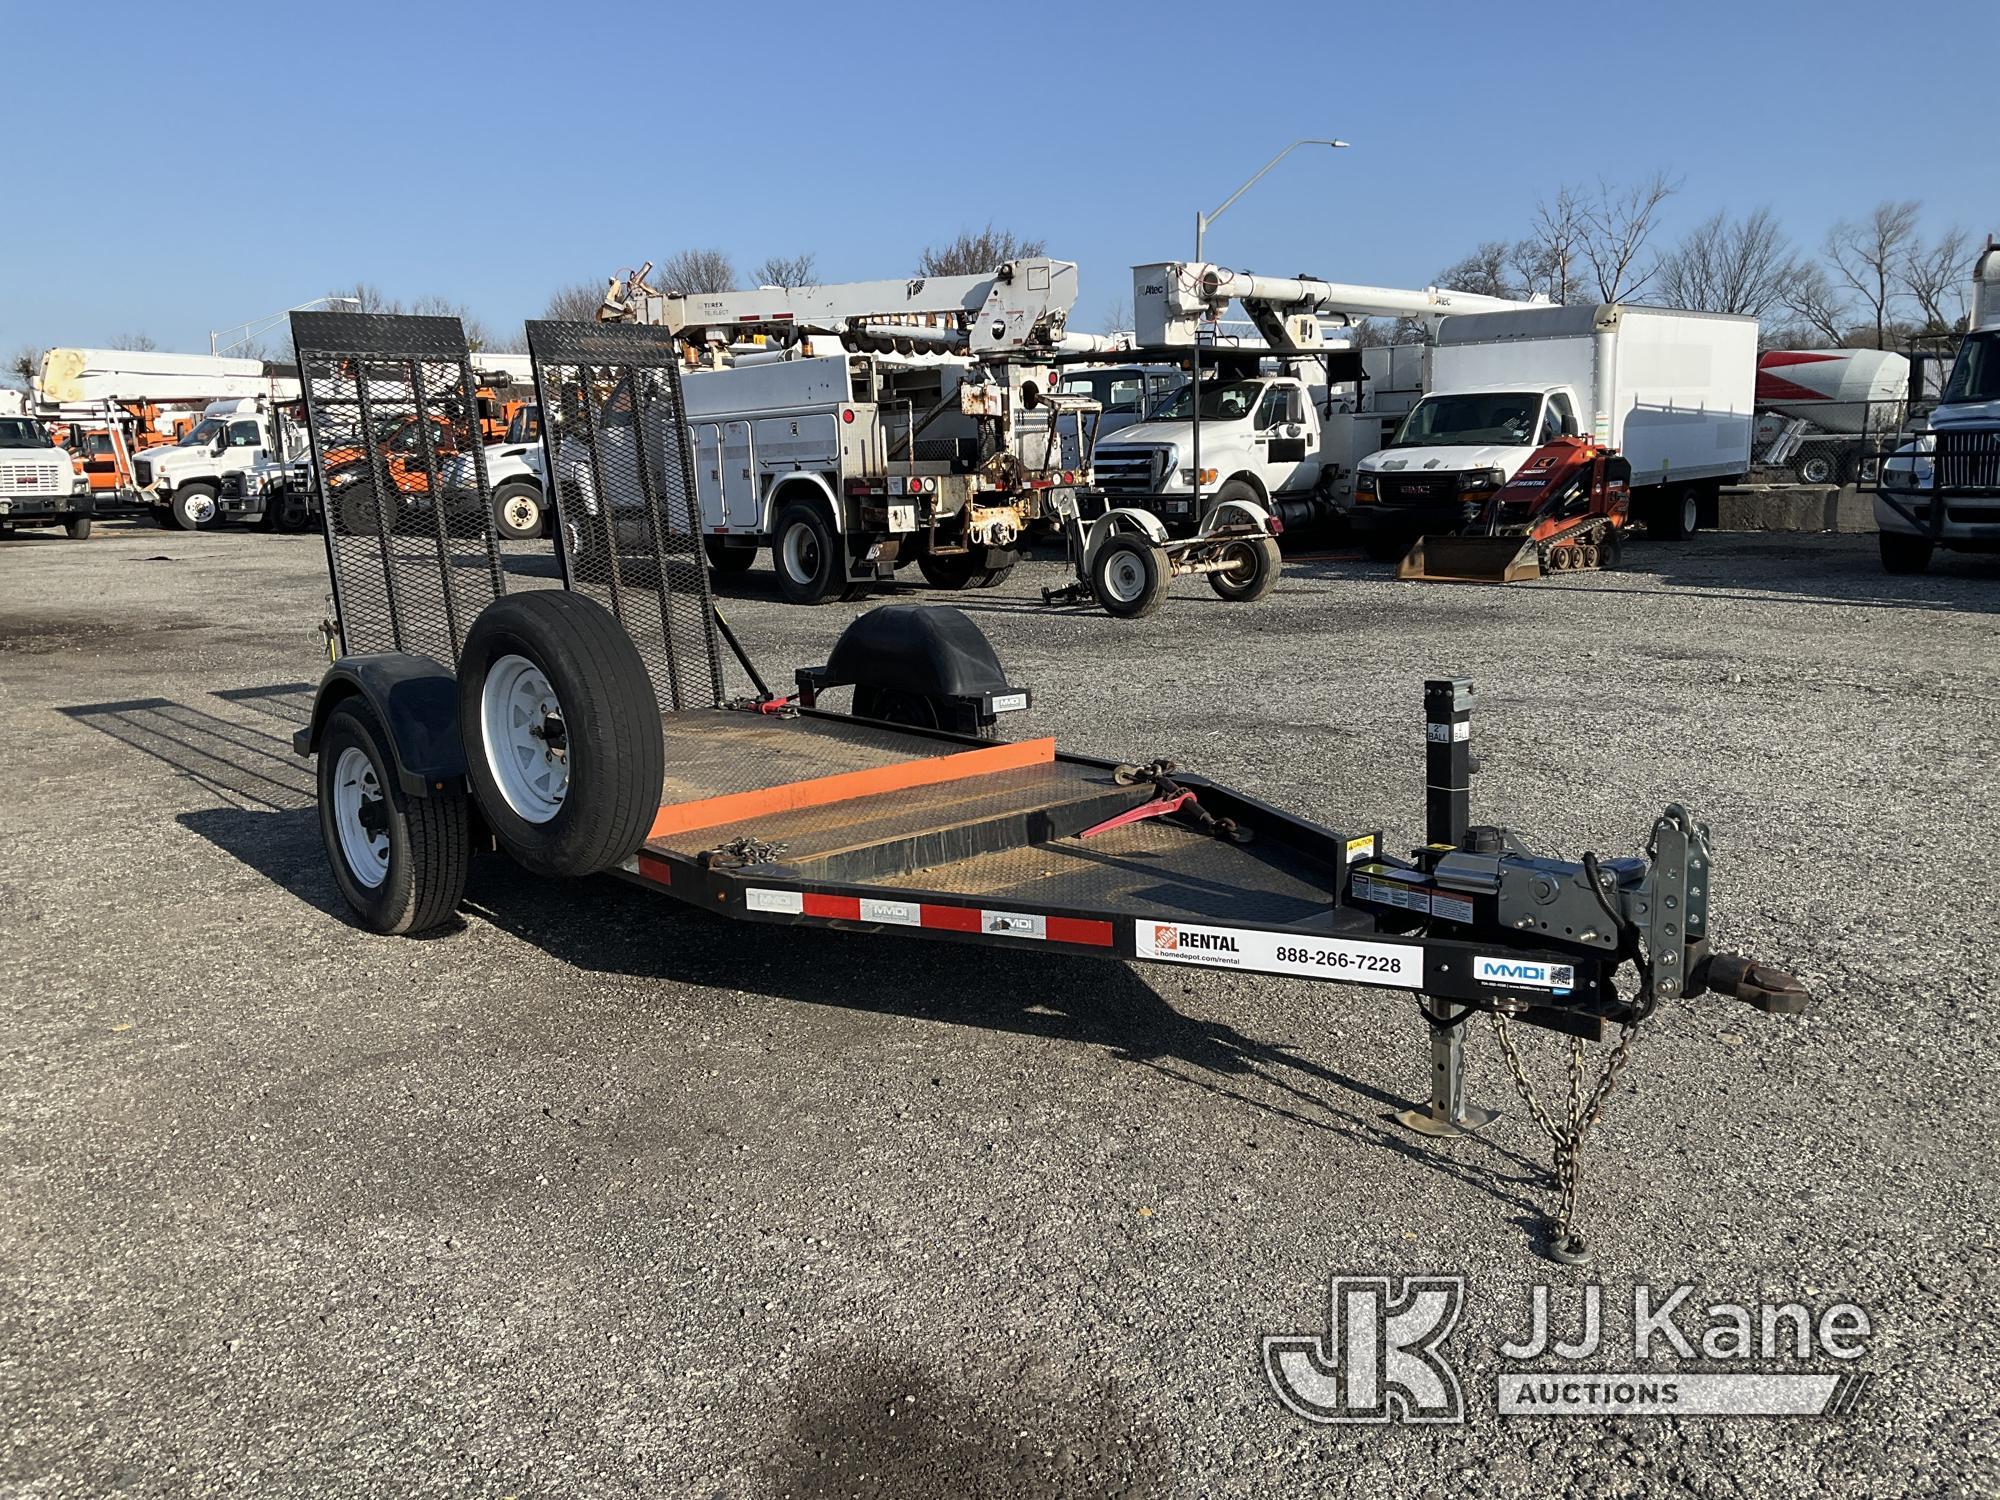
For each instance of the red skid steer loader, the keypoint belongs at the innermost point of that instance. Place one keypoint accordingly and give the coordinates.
(1565, 510)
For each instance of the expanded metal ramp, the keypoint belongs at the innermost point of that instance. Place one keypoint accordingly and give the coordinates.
(615, 444)
(391, 401)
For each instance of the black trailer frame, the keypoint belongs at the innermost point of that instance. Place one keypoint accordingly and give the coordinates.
(908, 827)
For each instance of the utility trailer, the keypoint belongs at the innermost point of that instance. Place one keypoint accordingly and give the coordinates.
(590, 728)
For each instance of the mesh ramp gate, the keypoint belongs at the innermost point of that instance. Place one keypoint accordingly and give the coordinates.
(615, 440)
(390, 403)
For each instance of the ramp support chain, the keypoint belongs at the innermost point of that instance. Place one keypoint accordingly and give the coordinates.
(1448, 768)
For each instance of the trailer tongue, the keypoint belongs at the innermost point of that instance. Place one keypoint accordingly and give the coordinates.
(590, 728)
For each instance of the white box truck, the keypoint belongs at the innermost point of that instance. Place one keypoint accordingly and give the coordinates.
(1673, 391)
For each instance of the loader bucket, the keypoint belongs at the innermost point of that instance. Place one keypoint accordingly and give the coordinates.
(1471, 559)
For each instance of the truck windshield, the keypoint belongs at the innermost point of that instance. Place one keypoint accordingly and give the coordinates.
(204, 432)
(1115, 390)
(1229, 402)
(1975, 373)
(22, 432)
(1470, 420)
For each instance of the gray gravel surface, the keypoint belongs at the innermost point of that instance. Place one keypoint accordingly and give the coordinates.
(594, 1196)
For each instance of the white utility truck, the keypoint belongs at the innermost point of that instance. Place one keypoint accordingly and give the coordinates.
(213, 472)
(879, 423)
(1673, 391)
(41, 483)
(513, 475)
(1284, 418)
(1941, 486)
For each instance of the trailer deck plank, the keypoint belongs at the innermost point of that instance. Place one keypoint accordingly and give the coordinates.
(726, 766)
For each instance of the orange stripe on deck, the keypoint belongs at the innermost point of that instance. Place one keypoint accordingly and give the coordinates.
(738, 807)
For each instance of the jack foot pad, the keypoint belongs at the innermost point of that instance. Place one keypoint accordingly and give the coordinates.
(1440, 1127)
(1569, 1252)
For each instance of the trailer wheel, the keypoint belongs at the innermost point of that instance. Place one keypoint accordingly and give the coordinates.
(562, 732)
(1676, 515)
(1129, 576)
(1253, 569)
(400, 861)
(807, 551)
(1902, 553)
(356, 508)
(729, 557)
(896, 706)
(78, 528)
(193, 507)
(518, 513)
(1816, 468)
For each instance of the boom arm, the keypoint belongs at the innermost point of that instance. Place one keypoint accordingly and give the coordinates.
(1171, 298)
(1021, 306)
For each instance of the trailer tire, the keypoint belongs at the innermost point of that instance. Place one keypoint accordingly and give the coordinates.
(356, 509)
(1676, 514)
(1817, 468)
(563, 656)
(518, 512)
(1253, 572)
(1902, 553)
(727, 557)
(808, 555)
(896, 706)
(400, 861)
(193, 508)
(78, 528)
(1129, 576)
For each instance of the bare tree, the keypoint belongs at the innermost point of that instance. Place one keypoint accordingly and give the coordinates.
(1867, 258)
(1811, 296)
(138, 342)
(1934, 276)
(22, 367)
(1617, 224)
(368, 298)
(1549, 258)
(1484, 272)
(688, 271)
(1722, 265)
(975, 251)
(1118, 319)
(576, 303)
(435, 306)
(786, 270)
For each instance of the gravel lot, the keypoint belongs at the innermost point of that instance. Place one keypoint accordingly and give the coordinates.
(593, 1196)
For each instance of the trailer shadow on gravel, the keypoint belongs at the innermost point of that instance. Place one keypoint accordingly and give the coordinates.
(237, 758)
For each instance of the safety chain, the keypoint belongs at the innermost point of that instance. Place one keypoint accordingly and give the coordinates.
(1159, 774)
(742, 851)
(1582, 1112)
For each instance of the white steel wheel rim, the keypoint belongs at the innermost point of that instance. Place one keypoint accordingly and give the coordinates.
(1241, 569)
(200, 507)
(516, 704)
(1690, 516)
(521, 511)
(355, 786)
(802, 553)
(1125, 577)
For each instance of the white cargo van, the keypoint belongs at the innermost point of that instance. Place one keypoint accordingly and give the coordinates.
(1673, 391)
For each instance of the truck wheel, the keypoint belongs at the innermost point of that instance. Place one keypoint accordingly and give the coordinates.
(1816, 468)
(1904, 554)
(1253, 569)
(1676, 515)
(726, 556)
(399, 860)
(562, 732)
(518, 514)
(294, 513)
(193, 507)
(957, 570)
(807, 552)
(78, 528)
(1129, 576)
(357, 511)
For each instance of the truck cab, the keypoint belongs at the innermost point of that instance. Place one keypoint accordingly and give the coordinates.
(1450, 453)
(41, 483)
(513, 476)
(1941, 487)
(186, 484)
(1261, 441)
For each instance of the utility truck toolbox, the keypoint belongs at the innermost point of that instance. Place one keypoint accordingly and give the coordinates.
(590, 728)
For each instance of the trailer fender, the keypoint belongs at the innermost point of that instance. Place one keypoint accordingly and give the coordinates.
(416, 701)
(928, 665)
(1237, 511)
(801, 486)
(1124, 520)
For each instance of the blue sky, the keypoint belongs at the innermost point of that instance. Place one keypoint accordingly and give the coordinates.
(490, 153)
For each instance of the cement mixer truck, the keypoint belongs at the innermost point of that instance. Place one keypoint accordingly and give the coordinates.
(1819, 410)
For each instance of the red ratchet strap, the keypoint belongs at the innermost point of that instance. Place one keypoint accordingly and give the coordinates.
(1159, 807)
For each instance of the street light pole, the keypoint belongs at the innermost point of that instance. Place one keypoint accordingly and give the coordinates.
(1201, 223)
